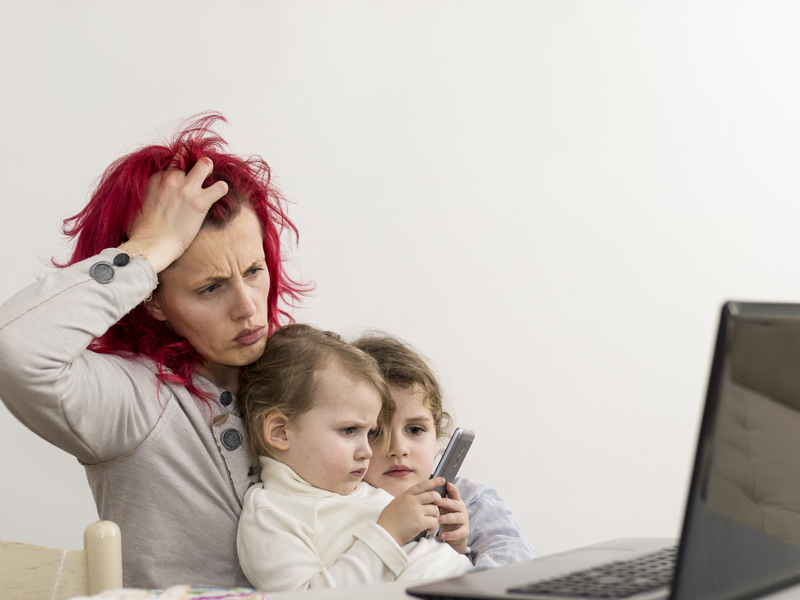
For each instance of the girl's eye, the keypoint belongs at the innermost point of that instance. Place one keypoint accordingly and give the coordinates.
(415, 430)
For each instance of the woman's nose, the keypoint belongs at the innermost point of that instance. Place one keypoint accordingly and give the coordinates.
(244, 305)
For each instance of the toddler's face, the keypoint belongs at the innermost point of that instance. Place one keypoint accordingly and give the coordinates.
(329, 444)
(413, 446)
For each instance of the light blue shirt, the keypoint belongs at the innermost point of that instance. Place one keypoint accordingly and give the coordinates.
(495, 539)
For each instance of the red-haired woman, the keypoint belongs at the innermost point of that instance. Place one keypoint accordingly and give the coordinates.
(128, 356)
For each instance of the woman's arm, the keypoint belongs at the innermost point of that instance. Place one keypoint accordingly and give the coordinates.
(495, 538)
(86, 403)
(98, 407)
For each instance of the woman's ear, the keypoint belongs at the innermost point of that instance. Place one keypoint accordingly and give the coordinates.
(275, 431)
(153, 306)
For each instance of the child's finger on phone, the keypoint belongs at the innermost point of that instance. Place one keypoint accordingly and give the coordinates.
(452, 491)
(434, 482)
(427, 487)
(452, 518)
(451, 505)
(431, 522)
(453, 533)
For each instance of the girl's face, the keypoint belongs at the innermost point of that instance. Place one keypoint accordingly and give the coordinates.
(329, 446)
(215, 295)
(412, 450)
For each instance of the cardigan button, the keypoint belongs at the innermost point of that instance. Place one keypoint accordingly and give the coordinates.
(226, 398)
(102, 272)
(231, 439)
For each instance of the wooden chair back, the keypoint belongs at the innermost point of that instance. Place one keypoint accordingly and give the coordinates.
(36, 573)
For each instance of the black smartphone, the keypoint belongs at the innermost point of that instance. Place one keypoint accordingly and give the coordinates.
(453, 457)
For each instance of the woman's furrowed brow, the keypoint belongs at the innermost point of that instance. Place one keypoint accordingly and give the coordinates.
(213, 278)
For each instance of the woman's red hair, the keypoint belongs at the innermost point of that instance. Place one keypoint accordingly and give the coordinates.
(118, 199)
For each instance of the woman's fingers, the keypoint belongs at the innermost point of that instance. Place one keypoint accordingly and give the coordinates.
(176, 160)
(194, 184)
(214, 192)
(198, 173)
(173, 212)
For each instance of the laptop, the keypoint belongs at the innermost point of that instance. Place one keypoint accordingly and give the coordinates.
(741, 529)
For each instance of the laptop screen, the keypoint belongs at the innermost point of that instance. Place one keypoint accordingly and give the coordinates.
(741, 534)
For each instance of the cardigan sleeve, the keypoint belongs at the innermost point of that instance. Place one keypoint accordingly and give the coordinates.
(94, 406)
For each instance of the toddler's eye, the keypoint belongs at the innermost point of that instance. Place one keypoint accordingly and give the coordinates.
(348, 430)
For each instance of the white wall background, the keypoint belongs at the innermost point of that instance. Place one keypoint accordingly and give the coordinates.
(550, 199)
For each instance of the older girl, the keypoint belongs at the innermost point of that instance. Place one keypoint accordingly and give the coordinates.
(478, 520)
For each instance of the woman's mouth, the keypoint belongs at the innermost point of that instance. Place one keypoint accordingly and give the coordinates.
(248, 337)
(398, 471)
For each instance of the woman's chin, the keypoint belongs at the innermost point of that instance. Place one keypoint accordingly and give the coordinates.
(244, 355)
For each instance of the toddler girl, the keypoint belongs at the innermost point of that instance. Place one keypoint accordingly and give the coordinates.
(315, 407)
(478, 518)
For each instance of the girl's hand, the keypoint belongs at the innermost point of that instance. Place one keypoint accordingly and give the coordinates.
(172, 213)
(454, 520)
(412, 511)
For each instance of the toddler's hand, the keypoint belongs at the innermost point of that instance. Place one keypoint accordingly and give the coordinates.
(412, 511)
(454, 520)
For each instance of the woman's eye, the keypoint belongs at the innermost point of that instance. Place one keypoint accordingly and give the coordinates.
(208, 290)
(254, 271)
(373, 434)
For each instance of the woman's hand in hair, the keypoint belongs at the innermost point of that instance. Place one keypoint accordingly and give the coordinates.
(412, 511)
(172, 213)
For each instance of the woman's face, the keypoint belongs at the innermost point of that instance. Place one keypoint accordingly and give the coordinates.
(215, 295)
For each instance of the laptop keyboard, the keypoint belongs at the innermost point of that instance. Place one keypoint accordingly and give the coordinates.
(618, 579)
